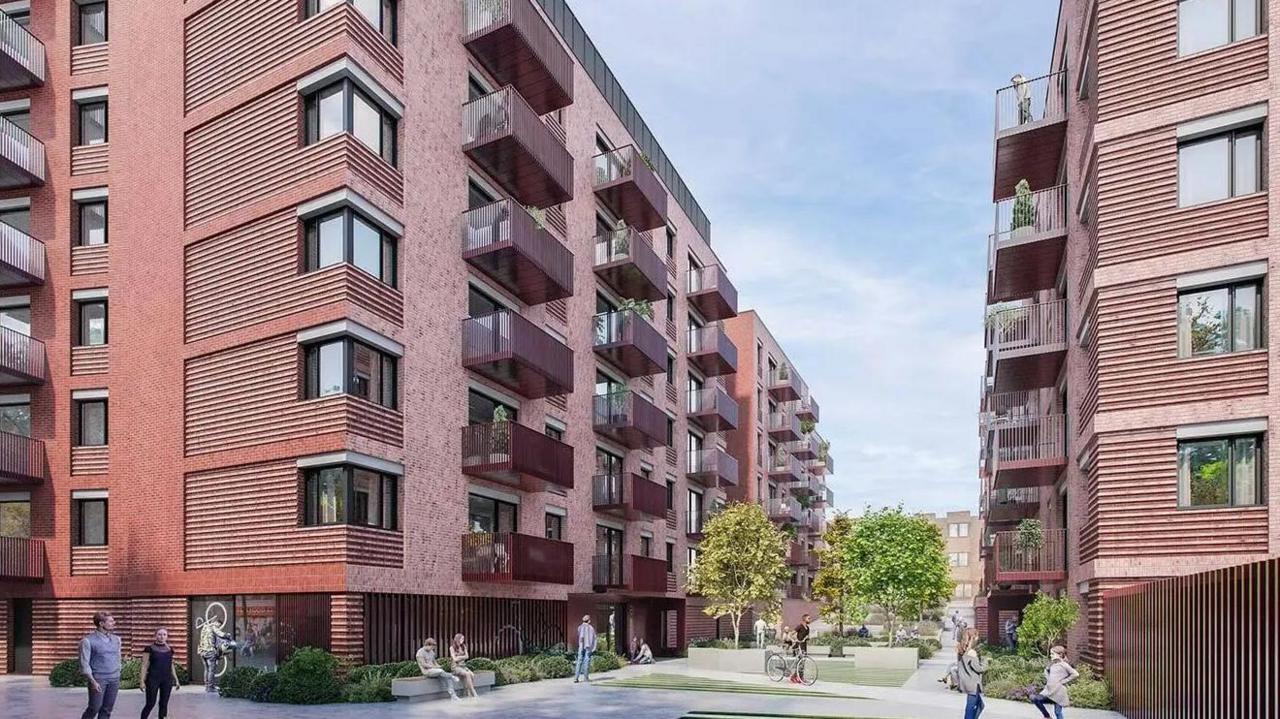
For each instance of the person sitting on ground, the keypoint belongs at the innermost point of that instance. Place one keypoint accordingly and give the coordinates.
(864, 632)
(430, 668)
(644, 655)
(459, 654)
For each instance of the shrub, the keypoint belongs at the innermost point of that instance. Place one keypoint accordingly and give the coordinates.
(263, 687)
(184, 676)
(373, 686)
(477, 664)
(711, 643)
(236, 682)
(926, 648)
(130, 673)
(877, 619)
(67, 674)
(550, 666)
(308, 677)
(1017, 678)
(515, 670)
(606, 662)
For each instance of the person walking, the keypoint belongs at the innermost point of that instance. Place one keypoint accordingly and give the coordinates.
(159, 674)
(955, 626)
(586, 644)
(100, 663)
(1056, 678)
(968, 674)
(459, 654)
(1011, 632)
(761, 626)
(430, 668)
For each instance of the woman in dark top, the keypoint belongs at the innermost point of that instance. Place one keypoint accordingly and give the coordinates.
(159, 674)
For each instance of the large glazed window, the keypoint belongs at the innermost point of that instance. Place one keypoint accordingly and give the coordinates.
(348, 236)
(347, 366)
(1205, 24)
(90, 422)
(380, 13)
(91, 27)
(92, 126)
(1220, 472)
(1220, 166)
(345, 494)
(343, 107)
(15, 516)
(488, 515)
(90, 517)
(1215, 320)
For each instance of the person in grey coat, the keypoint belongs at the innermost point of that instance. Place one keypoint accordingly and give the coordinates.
(967, 674)
(100, 663)
(1056, 678)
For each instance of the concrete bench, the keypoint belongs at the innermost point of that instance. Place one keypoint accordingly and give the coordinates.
(421, 689)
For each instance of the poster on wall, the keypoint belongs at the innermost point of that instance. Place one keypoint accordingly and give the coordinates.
(256, 631)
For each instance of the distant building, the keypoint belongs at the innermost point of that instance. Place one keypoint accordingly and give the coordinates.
(962, 531)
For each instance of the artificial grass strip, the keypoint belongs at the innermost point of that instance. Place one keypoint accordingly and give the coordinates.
(844, 673)
(753, 715)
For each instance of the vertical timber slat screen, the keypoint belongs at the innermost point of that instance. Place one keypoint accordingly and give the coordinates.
(396, 624)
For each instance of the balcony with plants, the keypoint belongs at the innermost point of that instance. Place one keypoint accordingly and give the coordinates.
(511, 453)
(511, 246)
(1030, 132)
(785, 468)
(784, 426)
(626, 262)
(626, 183)
(512, 144)
(510, 557)
(784, 385)
(1030, 554)
(627, 339)
(1025, 249)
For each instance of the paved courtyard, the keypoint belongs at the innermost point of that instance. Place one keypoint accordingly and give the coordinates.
(666, 691)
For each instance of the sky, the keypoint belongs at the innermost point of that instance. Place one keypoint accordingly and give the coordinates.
(843, 151)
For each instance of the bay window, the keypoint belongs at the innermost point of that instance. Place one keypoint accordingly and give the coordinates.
(348, 366)
(345, 235)
(347, 494)
(343, 107)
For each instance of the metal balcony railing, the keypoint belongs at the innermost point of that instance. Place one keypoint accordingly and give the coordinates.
(505, 242)
(511, 557)
(1027, 327)
(513, 41)
(1016, 562)
(1041, 438)
(1042, 213)
(626, 183)
(21, 559)
(23, 152)
(1026, 102)
(23, 50)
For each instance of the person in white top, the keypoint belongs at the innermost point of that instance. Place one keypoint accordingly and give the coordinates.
(429, 667)
(586, 644)
(645, 655)
(761, 626)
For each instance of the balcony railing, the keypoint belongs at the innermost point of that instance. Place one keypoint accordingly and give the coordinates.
(1033, 446)
(505, 242)
(805, 448)
(21, 56)
(783, 510)
(515, 454)
(626, 261)
(513, 42)
(626, 183)
(1019, 563)
(711, 350)
(1028, 345)
(795, 591)
(517, 354)
(21, 559)
(802, 486)
(628, 572)
(1030, 135)
(712, 409)
(21, 157)
(785, 467)
(21, 258)
(1028, 102)
(22, 460)
(784, 426)
(628, 495)
(510, 557)
(712, 467)
(711, 293)
(1026, 218)
(1006, 506)
(785, 385)
(628, 340)
(807, 408)
(506, 138)
(22, 358)
(629, 419)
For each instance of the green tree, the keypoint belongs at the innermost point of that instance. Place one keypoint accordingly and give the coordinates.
(1046, 621)
(833, 585)
(741, 562)
(899, 563)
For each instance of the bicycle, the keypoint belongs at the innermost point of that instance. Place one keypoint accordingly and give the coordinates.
(778, 666)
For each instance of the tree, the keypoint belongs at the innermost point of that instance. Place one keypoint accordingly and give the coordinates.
(741, 562)
(833, 585)
(1046, 621)
(899, 563)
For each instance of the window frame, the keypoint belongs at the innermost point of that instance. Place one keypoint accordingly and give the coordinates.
(78, 406)
(1231, 135)
(86, 106)
(550, 520)
(80, 22)
(311, 371)
(78, 538)
(1260, 335)
(81, 207)
(1259, 28)
(81, 305)
(388, 247)
(310, 508)
(1260, 465)
(389, 125)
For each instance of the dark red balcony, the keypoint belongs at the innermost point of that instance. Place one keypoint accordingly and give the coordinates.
(1019, 563)
(22, 460)
(517, 354)
(512, 40)
(785, 468)
(22, 161)
(1031, 130)
(22, 359)
(627, 185)
(711, 293)
(807, 409)
(21, 259)
(783, 511)
(711, 350)
(803, 486)
(627, 263)
(1010, 506)
(805, 448)
(1028, 451)
(514, 454)
(784, 426)
(516, 148)
(1028, 344)
(509, 557)
(629, 419)
(712, 468)
(628, 495)
(785, 385)
(797, 555)
(712, 409)
(505, 243)
(21, 559)
(21, 56)
(1025, 249)
(630, 573)
(626, 339)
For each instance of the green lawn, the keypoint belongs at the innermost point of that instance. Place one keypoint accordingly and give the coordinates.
(679, 682)
(847, 673)
(755, 715)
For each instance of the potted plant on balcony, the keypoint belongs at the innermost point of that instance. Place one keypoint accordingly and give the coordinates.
(1030, 541)
(1024, 211)
(539, 216)
(501, 433)
(807, 425)
(640, 307)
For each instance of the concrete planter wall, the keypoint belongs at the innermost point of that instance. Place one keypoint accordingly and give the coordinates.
(746, 661)
(884, 657)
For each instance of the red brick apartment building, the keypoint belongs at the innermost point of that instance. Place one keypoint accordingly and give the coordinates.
(319, 318)
(1128, 393)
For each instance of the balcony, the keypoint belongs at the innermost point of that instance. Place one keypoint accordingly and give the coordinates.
(1031, 129)
(21, 157)
(795, 591)
(797, 555)
(807, 409)
(1025, 249)
(712, 409)
(1010, 506)
(21, 559)
(1029, 345)
(712, 467)
(783, 511)
(822, 464)
(21, 259)
(711, 351)
(1016, 564)
(513, 42)
(21, 56)
(508, 140)
(22, 359)
(785, 468)
(785, 385)
(628, 264)
(514, 454)
(629, 419)
(627, 185)
(804, 486)
(627, 340)
(509, 557)
(517, 354)
(784, 426)
(805, 448)
(629, 496)
(506, 244)
(629, 573)
(22, 460)
(711, 293)
(1028, 451)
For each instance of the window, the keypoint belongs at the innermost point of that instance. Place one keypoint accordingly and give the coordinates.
(555, 526)
(343, 107)
(20, 118)
(1220, 319)
(346, 494)
(19, 218)
(671, 557)
(1205, 24)
(671, 243)
(671, 370)
(671, 495)
(671, 432)
(481, 408)
(691, 557)
(92, 23)
(555, 433)
(958, 530)
(488, 515)
(959, 559)
(1220, 472)
(693, 513)
(608, 464)
(15, 416)
(20, 17)
(91, 220)
(15, 516)
(346, 366)
(1220, 166)
(90, 422)
(671, 306)
(348, 236)
(380, 13)
(646, 546)
(90, 516)
(92, 125)
(91, 323)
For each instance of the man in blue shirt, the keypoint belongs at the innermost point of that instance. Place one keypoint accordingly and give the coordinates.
(100, 663)
(586, 643)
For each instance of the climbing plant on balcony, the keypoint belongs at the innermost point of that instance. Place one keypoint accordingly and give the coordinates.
(640, 307)
(1024, 208)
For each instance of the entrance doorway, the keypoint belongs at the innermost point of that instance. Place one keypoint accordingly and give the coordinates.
(20, 637)
(611, 626)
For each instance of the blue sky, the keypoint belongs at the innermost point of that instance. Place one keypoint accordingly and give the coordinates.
(843, 153)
